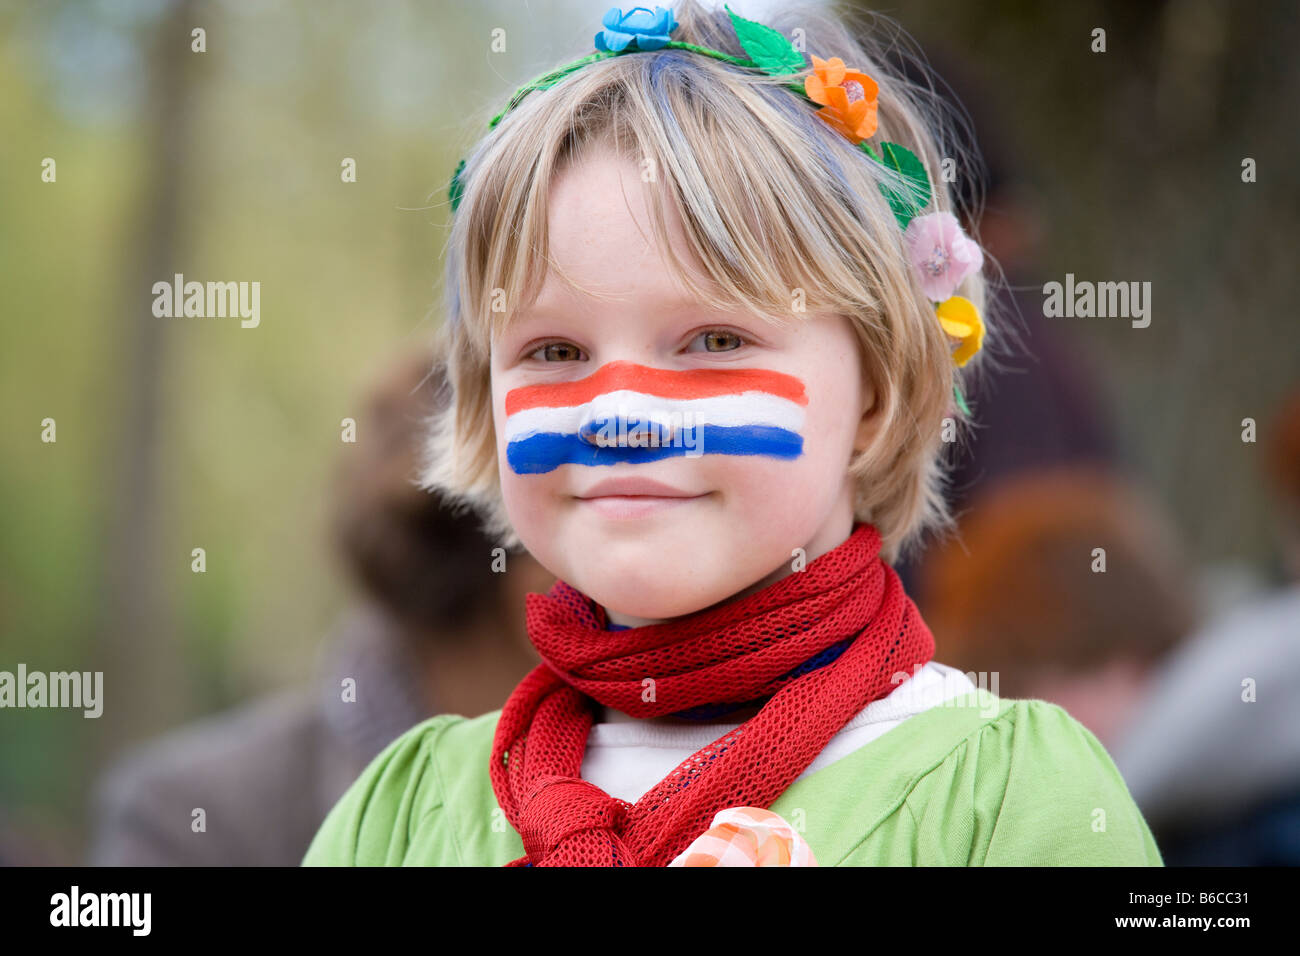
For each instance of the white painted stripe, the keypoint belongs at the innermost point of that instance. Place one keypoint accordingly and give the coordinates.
(744, 408)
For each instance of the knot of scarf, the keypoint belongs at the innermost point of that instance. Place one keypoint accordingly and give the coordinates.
(561, 809)
(770, 647)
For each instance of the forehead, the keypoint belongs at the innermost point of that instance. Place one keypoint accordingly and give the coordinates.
(600, 234)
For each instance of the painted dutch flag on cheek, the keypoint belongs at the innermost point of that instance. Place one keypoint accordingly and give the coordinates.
(624, 412)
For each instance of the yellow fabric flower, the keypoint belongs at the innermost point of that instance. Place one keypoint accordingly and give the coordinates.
(961, 320)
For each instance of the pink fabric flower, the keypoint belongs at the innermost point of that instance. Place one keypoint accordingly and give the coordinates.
(942, 255)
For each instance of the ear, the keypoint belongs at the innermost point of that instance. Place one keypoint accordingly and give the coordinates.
(869, 419)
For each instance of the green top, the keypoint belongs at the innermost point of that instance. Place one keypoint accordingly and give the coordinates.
(974, 781)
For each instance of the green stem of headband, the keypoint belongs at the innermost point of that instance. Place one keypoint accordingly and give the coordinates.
(961, 399)
(550, 79)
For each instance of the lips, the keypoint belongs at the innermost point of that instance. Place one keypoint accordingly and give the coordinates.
(634, 487)
(633, 498)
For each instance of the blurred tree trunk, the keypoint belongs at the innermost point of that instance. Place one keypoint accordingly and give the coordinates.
(141, 652)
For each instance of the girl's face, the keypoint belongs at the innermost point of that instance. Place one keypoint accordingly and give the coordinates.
(659, 456)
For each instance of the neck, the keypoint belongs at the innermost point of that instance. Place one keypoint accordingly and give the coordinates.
(624, 620)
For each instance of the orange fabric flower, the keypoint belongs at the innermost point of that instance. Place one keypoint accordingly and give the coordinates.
(847, 97)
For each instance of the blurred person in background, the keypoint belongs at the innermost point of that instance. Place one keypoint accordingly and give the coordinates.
(1068, 632)
(1217, 777)
(1282, 468)
(1213, 758)
(433, 630)
(1038, 405)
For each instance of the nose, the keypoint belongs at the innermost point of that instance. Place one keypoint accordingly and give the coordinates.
(623, 426)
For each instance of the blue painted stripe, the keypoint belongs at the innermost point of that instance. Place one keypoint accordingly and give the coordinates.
(546, 451)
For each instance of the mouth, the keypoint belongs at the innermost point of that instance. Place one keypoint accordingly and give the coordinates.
(634, 497)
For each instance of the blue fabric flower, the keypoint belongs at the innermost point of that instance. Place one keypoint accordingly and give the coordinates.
(649, 30)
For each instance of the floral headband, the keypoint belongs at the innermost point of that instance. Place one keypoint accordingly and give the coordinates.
(940, 252)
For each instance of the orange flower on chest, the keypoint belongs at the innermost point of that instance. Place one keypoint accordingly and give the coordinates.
(847, 97)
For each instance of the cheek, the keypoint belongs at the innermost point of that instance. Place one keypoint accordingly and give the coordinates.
(790, 483)
(828, 430)
(519, 491)
(532, 511)
(824, 438)
(835, 405)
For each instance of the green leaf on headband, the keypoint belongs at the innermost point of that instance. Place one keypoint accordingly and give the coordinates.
(457, 189)
(915, 194)
(769, 50)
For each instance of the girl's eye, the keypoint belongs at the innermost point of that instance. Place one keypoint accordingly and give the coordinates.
(557, 352)
(720, 337)
(715, 340)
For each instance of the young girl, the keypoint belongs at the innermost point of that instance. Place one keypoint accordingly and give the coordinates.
(708, 302)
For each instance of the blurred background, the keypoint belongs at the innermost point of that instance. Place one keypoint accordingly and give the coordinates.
(320, 559)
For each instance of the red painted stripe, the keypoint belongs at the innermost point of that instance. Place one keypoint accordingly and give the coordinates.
(665, 383)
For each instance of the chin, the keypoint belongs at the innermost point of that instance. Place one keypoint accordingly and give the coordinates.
(647, 581)
(666, 544)
(650, 605)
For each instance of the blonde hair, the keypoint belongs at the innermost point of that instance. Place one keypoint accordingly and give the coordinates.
(772, 201)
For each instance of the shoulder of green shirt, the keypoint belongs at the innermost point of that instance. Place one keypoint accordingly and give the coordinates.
(1033, 787)
(374, 820)
(976, 781)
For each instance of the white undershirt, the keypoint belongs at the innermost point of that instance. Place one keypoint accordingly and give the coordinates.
(626, 756)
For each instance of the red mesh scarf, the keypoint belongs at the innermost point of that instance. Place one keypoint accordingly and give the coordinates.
(741, 651)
